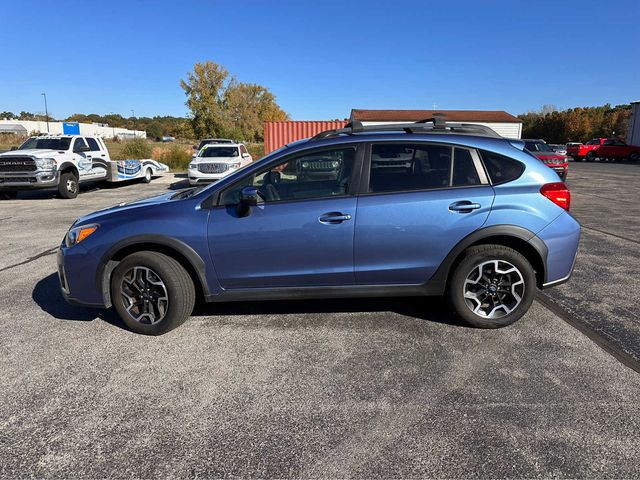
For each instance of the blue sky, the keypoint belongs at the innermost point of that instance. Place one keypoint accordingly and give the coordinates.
(321, 58)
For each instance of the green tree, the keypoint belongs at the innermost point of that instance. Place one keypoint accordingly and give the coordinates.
(8, 116)
(205, 87)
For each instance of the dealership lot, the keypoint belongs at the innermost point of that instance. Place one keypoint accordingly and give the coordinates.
(367, 388)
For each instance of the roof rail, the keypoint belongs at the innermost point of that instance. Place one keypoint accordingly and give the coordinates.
(437, 124)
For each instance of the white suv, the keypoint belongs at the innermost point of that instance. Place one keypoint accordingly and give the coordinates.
(217, 160)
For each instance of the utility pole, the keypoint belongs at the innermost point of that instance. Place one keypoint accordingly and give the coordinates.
(133, 114)
(46, 111)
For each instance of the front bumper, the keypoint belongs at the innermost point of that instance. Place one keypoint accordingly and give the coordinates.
(77, 282)
(25, 180)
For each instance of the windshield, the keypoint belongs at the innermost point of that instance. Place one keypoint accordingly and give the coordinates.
(46, 143)
(219, 152)
(213, 140)
(537, 147)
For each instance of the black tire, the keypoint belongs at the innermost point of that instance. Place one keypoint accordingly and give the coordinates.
(591, 157)
(148, 174)
(563, 176)
(634, 157)
(472, 258)
(68, 186)
(180, 292)
(9, 195)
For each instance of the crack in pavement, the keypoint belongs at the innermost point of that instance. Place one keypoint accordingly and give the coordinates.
(611, 234)
(50, 251)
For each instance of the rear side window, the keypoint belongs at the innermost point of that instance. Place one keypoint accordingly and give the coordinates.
(501, 169)
(93, 145)
(464, 170)
(400, 167)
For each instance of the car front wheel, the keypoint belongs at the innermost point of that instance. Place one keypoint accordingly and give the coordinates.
(152, 293)
(591, 157)
(492, 286)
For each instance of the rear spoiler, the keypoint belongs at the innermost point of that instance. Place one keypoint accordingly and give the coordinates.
(519, 144)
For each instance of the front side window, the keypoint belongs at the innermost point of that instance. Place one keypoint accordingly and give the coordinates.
(401, 167)
(243, 149)
(594, 141)
(321, 174)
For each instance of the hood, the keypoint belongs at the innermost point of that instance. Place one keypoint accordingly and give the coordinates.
(125, 206)
(38, 153)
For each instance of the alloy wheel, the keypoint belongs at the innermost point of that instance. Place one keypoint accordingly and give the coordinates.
(493, 289)
(72, 185)
(145, 295)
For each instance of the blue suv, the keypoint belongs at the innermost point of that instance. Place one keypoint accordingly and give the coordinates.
(427, 208)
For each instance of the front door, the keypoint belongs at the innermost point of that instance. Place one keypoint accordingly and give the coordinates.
(300, 234)
(422, 200)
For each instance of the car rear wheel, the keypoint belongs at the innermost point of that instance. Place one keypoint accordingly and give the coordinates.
(147, 176)
(68, 186)
(634, 157)
(152, 293)
(492, 286)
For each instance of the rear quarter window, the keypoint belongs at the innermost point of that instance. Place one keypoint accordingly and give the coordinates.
(501, 169)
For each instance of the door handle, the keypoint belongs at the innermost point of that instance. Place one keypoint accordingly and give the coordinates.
(333, 218)
(464, 206)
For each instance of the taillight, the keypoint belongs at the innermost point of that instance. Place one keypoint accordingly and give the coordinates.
(558, 193)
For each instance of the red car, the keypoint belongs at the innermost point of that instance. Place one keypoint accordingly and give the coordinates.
(604, 148)
(548, 156)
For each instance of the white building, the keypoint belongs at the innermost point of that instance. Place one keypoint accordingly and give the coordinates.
(57, 128)
(501, 122)
(633, 135)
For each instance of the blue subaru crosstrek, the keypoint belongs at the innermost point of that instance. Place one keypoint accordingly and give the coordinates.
(429, 208)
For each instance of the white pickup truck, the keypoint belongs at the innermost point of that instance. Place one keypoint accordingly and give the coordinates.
(65, 161)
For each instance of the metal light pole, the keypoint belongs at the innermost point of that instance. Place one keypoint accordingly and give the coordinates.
(133, 114)
(46, 111)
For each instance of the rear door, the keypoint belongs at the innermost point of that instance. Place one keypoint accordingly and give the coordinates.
(98, 155)
(419, 201)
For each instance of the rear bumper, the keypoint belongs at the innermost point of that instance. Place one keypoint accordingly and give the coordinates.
(562, 238)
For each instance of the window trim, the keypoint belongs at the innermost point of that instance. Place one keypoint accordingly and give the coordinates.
(475, 155)
(353, 186)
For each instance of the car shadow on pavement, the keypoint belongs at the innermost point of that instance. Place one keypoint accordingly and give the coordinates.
(432, 309)
(47, 295)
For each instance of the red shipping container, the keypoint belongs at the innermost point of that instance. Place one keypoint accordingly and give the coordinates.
(278, 134)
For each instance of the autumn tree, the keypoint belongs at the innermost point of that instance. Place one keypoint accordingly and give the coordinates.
(222, 106)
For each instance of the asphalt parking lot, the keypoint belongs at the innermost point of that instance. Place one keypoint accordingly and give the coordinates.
(362, 388)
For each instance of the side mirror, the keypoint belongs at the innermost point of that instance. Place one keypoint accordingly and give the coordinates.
(245, 155)
(13, 148)
(248, 199)
(81, 149)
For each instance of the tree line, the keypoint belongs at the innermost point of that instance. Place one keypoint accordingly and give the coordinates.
(576, 124)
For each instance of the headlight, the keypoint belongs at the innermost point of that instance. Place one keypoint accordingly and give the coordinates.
(235, 165)
(335, 164)
(78, 234)
(46, 163)
(193, 166)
